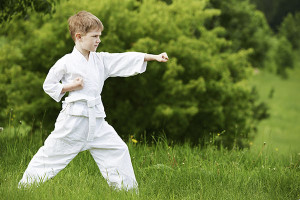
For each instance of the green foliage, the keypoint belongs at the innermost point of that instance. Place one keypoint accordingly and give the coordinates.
(276, 11)
(284, 56)
(290, 28)
(247, 28)
(280, 58)
(10, 8)
(202, 90)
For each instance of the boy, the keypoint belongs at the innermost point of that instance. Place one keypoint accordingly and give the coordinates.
(81, 125)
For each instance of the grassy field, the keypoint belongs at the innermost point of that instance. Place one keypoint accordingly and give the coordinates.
(266, 171)
(163, 172)
(281, 131)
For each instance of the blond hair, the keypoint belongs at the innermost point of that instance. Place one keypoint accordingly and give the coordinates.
(83, 22)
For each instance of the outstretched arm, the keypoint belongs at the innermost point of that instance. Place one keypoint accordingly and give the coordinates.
(163, 57)
(128, 63)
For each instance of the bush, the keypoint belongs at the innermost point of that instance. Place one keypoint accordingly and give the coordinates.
(247, 28)
(202, 90)
(290, 28)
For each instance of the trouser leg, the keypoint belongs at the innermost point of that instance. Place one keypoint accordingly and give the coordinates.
(47, 162)
(112, 157)
(59, 149)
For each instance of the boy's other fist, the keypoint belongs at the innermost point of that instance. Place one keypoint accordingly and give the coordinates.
(78, 83)
(163, 57)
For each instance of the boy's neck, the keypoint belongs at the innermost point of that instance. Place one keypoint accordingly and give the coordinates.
(84, 52)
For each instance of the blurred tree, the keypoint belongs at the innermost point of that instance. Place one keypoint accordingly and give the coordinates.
(202, 90)
(290, 28)
(9, 8)
(284, 56)
(277, 10)
(247, 28)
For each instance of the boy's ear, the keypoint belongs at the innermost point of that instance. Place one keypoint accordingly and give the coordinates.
(78, 36)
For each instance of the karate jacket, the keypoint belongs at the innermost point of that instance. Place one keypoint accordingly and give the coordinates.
(94, 72)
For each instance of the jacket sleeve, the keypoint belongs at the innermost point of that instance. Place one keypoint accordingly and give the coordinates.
(123, 64)
(52, 85)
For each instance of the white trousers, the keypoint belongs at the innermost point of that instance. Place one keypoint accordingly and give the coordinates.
(68, 139)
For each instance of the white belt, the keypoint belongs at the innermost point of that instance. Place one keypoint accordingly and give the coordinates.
(91, 110)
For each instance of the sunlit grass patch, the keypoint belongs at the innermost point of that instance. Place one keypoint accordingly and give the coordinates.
(282, 130)
(163, 171)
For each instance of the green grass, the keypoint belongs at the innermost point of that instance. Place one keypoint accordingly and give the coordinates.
(163, 172)
(281, 131)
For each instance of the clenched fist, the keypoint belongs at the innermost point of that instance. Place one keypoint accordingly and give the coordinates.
(163, 57)
(77, 84)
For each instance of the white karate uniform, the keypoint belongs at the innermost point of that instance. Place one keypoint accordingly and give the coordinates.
(81, 125)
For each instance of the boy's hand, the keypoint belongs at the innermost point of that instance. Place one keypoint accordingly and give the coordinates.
(76, 85)
(163, 57)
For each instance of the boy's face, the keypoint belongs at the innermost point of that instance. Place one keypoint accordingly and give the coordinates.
(90, 41)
